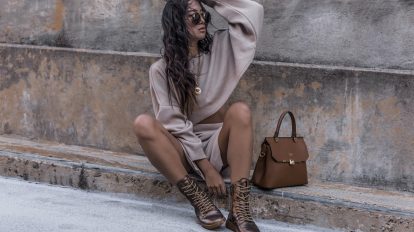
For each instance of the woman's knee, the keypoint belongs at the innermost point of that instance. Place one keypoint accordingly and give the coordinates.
(145, 126)
(240, 112)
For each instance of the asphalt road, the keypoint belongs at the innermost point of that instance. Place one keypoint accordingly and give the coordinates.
(34, 207)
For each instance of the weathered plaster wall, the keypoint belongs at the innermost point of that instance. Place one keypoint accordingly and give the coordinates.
(132, 25)
(357, 123)
(73, 97)
(358, 33)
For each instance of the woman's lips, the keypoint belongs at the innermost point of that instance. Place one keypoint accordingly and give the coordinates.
(203, 29)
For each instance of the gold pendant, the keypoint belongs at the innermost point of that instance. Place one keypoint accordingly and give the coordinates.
(197, 90)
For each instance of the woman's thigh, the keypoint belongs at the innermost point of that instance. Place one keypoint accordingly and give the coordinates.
(175, 143)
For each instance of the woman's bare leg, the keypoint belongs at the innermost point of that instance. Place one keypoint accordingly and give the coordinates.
(236, 141)
(166, 154)
(163, 150)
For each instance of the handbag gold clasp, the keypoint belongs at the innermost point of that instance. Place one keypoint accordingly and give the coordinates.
(291, 162)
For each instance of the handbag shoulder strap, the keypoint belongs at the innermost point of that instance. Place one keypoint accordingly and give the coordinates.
(279, 123)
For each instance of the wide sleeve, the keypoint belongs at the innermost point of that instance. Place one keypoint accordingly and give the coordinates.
(171, 117)
(233, 49)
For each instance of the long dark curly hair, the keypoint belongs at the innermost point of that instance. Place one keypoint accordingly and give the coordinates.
(180, 81)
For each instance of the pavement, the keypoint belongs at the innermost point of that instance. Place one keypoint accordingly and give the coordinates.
(36, 207)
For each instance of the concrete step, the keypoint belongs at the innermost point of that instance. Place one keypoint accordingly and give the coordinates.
(329, 205)
(357, 122)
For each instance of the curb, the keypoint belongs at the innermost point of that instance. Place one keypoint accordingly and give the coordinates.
(278, 204)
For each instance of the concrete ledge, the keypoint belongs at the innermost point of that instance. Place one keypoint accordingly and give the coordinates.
(330, 205)
(357, 122)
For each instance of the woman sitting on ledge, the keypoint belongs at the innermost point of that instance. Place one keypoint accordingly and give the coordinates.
(192, 131)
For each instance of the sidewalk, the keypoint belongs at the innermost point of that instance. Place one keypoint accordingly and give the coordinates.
(329, 205)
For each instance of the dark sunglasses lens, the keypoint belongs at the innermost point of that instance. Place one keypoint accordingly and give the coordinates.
(207, 17)
(196, 18)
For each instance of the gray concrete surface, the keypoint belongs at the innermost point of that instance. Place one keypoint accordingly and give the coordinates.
(330, 205)
(357, 122)
(359, 33)
(34, 207)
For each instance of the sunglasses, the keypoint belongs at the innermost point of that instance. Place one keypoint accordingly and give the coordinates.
(196, 17)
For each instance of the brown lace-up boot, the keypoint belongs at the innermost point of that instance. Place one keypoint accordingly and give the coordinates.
(240, 218)
(207, 213)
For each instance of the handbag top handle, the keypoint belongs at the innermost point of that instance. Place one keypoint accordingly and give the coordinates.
(279, 123)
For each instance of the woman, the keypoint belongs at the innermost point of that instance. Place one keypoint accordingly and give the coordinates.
(192, 131)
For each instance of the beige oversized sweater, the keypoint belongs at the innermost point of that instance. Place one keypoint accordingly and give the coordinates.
(232, 52)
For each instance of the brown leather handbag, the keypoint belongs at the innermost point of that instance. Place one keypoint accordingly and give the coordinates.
(282, 160)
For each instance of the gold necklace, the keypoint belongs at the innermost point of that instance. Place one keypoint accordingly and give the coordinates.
(197, 89)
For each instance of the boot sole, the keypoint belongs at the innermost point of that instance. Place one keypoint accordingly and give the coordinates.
(214, 225)
(231, 226)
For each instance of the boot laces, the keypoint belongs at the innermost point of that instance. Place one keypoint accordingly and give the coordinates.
(199, 197)
(242, 206)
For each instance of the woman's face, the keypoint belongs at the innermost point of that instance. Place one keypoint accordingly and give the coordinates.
(197, 31)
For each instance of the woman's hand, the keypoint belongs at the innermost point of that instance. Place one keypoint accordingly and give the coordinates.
(215, 182)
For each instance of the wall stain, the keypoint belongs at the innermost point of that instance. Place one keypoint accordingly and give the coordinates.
(57, 24)
(389, 109)
(315, 85)
(133, 10)
(83, 182)
(300, 90)
(280, 93)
